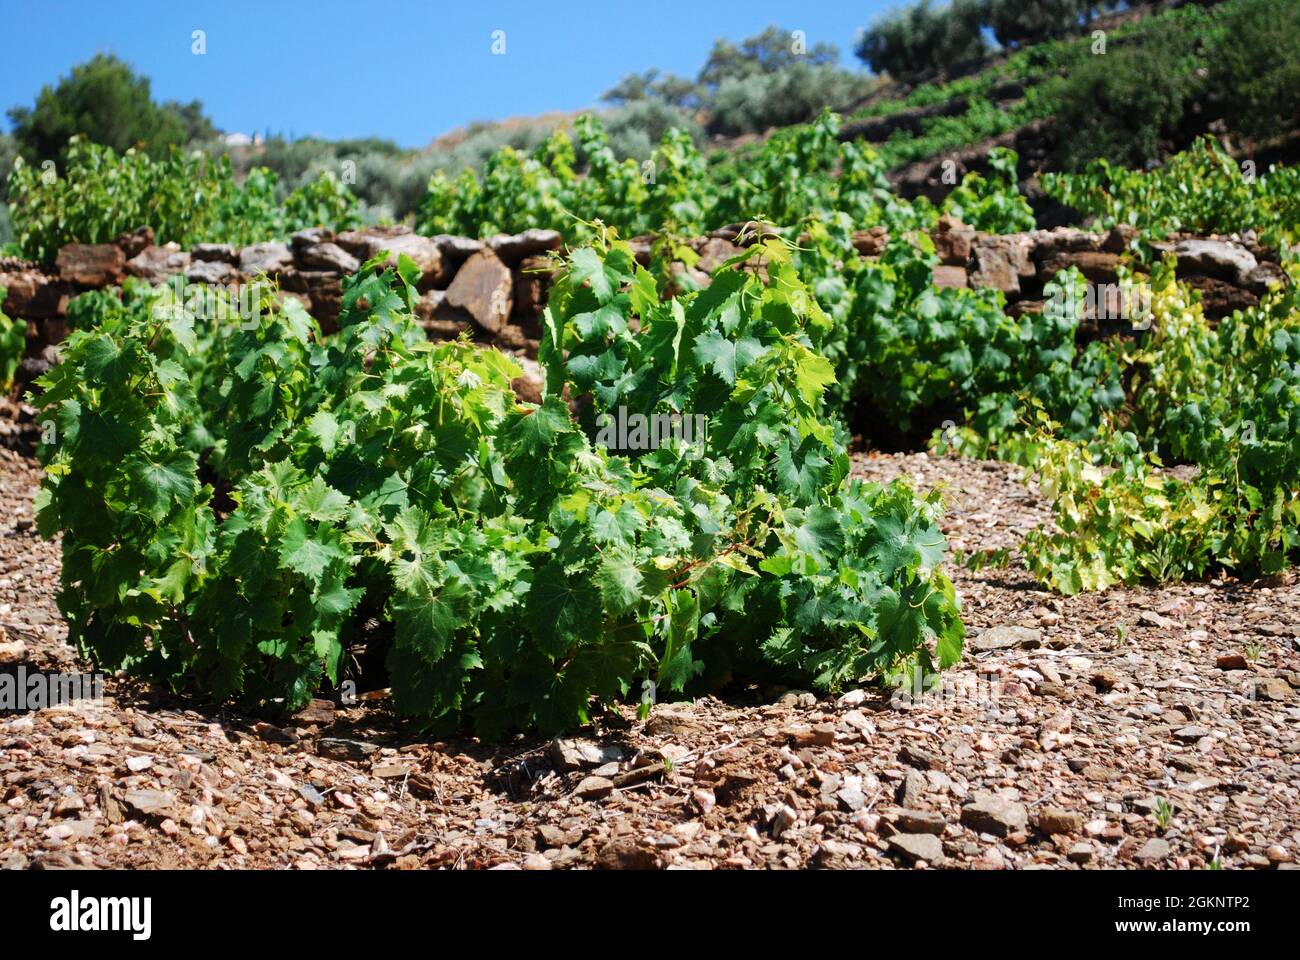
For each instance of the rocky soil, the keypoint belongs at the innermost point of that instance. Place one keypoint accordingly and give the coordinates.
(1134, 728)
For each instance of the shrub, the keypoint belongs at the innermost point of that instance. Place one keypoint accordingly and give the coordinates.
(1131, 104)
(1255, 67)
(796, 94)
(923, 40)
(104, 101)
(237, 503)
(183, 197)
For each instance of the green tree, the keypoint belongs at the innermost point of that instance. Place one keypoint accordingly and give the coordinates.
(107, 102)
(1255, 68)
(1133, 104)
(923, 40)
(1018, 23)
(771, 51)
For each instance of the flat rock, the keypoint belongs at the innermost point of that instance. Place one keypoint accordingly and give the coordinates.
(155, 264)
(1057, 820)
(457, 249)
(211, 271)
(1272, 688)
(1004, 637)
(91, 264)
(482, 288)
(270, 258)
(317, 711)
(948, 277)
(1153, 851)
(851, 798)
(148, 803)
(511, 249)
(920, 821)
(594, 788)
(327, 256)
(578, 754)
(994, 815)
(310, 237)
(338, 748)
(1216, 258)
(912, 788)
(395, 241)
(219, 252)
(918, 757)
(917, 846)
(549, 835)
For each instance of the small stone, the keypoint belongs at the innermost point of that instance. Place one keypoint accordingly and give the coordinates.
(994, 815)
(1098, 774)
(1153, 851)
(237, 844)
(1273, 688)
(535, 861)
(912, 788)
(594, 788)
(68, 806)
(313, 796)
(1081, 852)
(1277, 853)
(852, 699)
(1003, 637)
(549, 835)
(784, 819)
(337, 748)
(1058, 820)
(1190, 734)
(918, 757)
(148, 803)
(1103, 681)
(918, 846)
(569, 755)
(821, 735)
(920, 821)
(1231, 661)
(624, 854)
(136, 764)
(851, 799)
(317, 713)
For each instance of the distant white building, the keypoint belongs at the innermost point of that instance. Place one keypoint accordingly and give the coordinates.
(240, 139)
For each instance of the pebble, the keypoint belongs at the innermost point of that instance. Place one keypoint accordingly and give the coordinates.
(1153, 851)
(1056, 820)
(918, 757)
(994, 815)
(920, 821)
(1004, 637)
(1081, 852)
(918, 846)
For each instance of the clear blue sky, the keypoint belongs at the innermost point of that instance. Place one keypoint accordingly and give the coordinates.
(404, 70)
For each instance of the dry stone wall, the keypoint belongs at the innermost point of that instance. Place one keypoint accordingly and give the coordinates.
(495, 289)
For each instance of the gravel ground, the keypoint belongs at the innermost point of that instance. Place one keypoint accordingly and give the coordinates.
(1133, 728)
